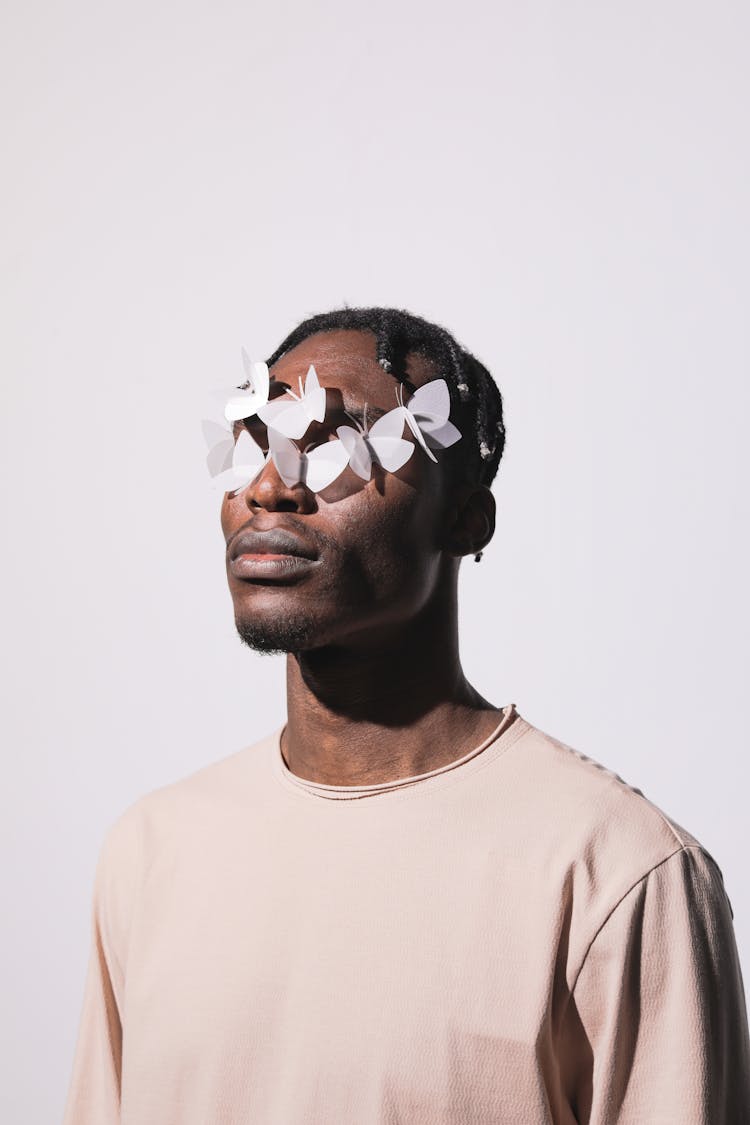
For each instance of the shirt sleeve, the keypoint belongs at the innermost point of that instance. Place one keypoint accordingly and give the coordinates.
(661, 1004)
(94, 1088)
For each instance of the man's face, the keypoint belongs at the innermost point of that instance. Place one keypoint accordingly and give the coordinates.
(377, 543)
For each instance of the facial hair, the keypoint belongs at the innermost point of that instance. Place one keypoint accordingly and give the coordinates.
(278, 636)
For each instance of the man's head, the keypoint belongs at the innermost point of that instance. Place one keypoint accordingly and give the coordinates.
(386, 549)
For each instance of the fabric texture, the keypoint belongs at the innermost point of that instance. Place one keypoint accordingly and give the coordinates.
(517, 937)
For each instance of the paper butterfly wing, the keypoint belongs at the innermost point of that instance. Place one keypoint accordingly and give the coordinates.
(431, 405)
(247, 461)
(314, 397)
(286, 457)
(286, 415)
(391, 449)
(441, 435)
(243, 403)
(427, 412)
(324, 463)
(431, 400)
(414, 427)
(291, 416)
(354, 443)
(220, 442)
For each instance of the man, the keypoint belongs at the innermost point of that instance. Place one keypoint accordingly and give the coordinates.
(407, 904)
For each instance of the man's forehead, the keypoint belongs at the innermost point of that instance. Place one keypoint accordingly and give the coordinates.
(347, 359)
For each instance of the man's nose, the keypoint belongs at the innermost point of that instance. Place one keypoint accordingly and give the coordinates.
(269, 491)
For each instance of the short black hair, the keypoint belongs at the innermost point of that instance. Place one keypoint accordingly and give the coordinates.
(476, 402)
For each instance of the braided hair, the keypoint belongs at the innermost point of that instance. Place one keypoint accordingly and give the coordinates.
(476, 402)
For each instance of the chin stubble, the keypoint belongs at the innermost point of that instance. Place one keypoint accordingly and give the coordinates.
(279, 636)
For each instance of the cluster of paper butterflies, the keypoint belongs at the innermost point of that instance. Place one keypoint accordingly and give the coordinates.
(233, 464)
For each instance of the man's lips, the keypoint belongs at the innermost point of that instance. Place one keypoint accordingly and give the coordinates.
(268, 546)
(272, 556)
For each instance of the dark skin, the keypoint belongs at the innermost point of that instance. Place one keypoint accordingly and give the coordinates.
(375, 691)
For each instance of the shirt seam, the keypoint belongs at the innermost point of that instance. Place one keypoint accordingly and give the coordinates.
(678, 851)
(670, 826)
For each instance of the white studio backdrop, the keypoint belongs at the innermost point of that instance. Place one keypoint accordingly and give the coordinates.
(565, 187)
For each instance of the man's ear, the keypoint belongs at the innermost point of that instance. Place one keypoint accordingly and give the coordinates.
(470, 520)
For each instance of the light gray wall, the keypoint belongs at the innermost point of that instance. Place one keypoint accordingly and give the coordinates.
(564, 186)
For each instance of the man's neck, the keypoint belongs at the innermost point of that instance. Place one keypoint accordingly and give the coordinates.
(395, 708)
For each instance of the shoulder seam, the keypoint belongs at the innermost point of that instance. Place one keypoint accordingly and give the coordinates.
(682, 848)
(668, 822)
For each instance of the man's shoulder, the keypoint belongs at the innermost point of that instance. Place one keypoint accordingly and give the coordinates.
(191, 802)
(588, 815)
(596, 837)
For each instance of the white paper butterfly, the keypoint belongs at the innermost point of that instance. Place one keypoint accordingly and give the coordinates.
(427, 416)
(382, 443)
(316, 469)
(247, 399)
(292, 416)
(244, 463)
(220, 441)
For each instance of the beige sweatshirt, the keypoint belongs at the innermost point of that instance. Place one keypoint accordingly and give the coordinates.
(517, 937)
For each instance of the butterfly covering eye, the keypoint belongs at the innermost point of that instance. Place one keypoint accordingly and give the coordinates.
(248, 399)
(382, 443)
(426, 414)
(233, 465)
(291, 416)
(316, 469)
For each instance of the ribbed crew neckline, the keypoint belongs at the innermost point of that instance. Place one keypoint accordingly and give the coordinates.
(511, 725)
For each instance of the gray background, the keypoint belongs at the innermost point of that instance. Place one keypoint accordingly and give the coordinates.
(564, 186)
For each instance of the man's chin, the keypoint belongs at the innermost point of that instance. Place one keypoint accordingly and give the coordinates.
(277, 637)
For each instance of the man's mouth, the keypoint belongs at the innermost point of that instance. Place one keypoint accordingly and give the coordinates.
(272, 544)
(269, 555)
